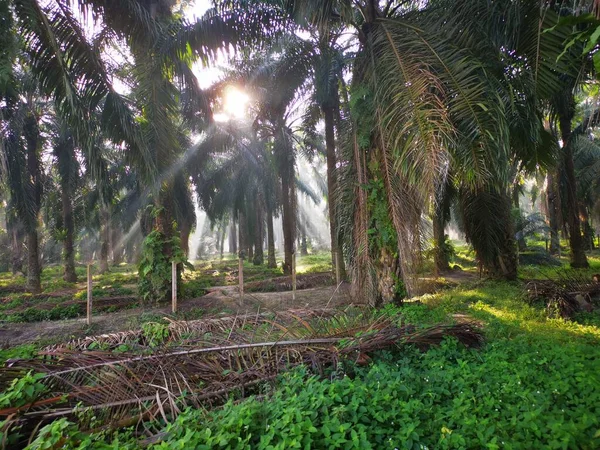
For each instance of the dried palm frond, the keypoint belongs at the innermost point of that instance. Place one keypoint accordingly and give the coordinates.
(194, 329)
(125, 389)
(565, 294)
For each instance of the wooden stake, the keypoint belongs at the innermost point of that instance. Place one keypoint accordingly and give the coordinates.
(173, 287)
(241, 277)
(338, 275)
(89, 294)
(294, 276)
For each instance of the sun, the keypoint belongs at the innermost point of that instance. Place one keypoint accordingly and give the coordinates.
(235, 102)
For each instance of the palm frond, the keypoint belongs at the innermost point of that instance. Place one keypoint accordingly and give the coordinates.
(129, 388)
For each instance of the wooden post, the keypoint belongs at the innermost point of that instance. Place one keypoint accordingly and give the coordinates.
(241, 277)
(294, 276)
(89, 294)
(338, 275)
(173, 287)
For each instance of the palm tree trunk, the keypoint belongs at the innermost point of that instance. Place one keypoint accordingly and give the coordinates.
(588, 232)
(68, 243)
(288, 221)
(34, 271)
(15, 231)
(521, 243)
(34, 194)
(271, 261)
(243, 235)
(222, 243)
(185, 230)
(578, 258)
(489, 228)
(117, 246)
(232, 238)
(303, 244)
(259, 257)
(553, 212)
(328, 114)
(442, 264)
(104, 238)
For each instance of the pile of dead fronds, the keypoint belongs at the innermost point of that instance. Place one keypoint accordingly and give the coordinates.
(105, 390)
(566, 294)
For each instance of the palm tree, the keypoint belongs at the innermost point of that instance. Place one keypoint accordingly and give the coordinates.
(21, 168)
(68, 173)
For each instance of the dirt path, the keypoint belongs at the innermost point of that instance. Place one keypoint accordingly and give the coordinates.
(219, 300)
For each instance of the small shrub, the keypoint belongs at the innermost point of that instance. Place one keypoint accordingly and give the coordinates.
(155, 333)
(155, 266)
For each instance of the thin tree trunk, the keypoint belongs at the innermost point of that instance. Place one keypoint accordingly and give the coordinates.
(118, 246)
(15, 231)
(303, 244)
(259, 257)
(104, 238)
(34, 271)
(553, 212)
(17, 252)
(68, 244)
(222, 243)
(588, 232)
(442, 264)
(578, 258)
(521, 243)
(271, 260)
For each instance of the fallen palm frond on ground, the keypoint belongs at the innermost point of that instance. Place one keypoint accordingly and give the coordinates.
(119, 390)
(569, 292)
(192, 330)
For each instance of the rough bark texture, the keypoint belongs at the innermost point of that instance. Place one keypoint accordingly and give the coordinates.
(271, 261)
(578, 258)
(553, 212)
(68, 243)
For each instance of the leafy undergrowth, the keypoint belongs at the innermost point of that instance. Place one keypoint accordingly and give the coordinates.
(533, 385)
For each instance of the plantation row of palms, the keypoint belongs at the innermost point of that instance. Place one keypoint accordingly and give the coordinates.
(422, 111)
